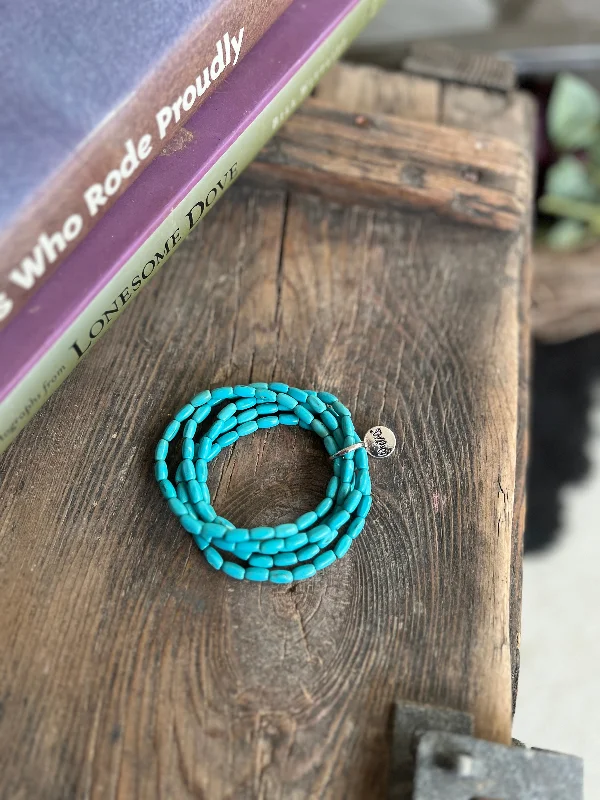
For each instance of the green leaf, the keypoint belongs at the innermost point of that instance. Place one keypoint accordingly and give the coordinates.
(568, 234)
(573, 113)
(569, 178)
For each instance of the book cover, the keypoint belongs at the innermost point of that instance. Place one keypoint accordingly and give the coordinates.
(48, 338)
(90, 94)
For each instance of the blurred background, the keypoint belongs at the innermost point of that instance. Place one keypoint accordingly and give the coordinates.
(559, 692)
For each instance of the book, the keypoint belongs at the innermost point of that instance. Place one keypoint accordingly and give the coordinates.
(133, 241)
(90, 94)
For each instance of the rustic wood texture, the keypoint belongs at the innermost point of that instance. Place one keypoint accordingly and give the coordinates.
(382, 159)
(511, 115)
(566, 294)
(131, 669)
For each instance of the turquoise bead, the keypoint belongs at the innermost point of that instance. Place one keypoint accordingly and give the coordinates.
(191, 426)
(222, 544)
(214, 558)
(304, 571)
(330, 445)
(266, 394)
(352, 501)
(190, 524)
(245, 403)
(227, 438)
(340, 409)
(294, 542)
(233, 570)
(285, 401)
(327, 397)
(212, 530)
(223, 393)
(332, 487)
(298, 394)
(342, 546)
(267, 408)
(258, 560)
(285, 559)
(184, 412)
(216, 429)
(272, 546)
(337, 519)
(244, 391)
(257, 574)
(262, 533)
(194, 492)
(245, 549)
(286, 529)
(308, 552)
(268, 422)
(303, 415)
(347, 472)
(171, 430)
(227, 411)
(237, 535)
(201, 399)
(361, 459)
(214, 452)
(246, 416)
(266, 553)
(201, 470)
(364, 506)
(247, 428)
(324, 507)
(161, 472)
(329, 420)
(319, 428)
(167, 489)
(324, 559)
(204, 449)
(202, 543)
(205, 511)
(188, 470)
(177, 507)
(318, 533)
(318, 406)
(162, 448)
(280, 576)
(306, 520)
(355, 527)
(201, 414)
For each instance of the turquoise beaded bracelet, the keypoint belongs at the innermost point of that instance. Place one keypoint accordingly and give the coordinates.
(291, 551)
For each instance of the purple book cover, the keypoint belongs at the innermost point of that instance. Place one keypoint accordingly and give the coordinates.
(216, 126)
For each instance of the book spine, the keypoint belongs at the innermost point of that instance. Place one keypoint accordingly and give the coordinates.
(84, 188)
(58, 361)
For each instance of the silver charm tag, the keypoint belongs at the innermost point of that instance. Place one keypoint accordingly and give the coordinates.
(380, 442)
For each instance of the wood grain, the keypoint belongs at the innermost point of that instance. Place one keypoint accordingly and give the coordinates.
(381, 159)
(129, 668)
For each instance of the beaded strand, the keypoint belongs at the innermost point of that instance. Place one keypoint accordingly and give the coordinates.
(292, 551)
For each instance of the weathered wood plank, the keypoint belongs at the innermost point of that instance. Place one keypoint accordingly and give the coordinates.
(437, 60)
(381, 159)
(137, 671)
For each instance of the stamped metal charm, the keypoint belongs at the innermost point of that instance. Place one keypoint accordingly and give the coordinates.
(380, 442)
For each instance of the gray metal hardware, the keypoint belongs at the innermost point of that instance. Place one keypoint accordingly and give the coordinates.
(436, 757)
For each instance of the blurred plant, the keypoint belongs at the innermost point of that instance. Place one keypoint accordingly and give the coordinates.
(572, 182)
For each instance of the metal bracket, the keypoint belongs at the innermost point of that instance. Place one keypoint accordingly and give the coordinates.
(436, 757)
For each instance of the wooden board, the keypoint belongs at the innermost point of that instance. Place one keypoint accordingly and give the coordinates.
(133, 669)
